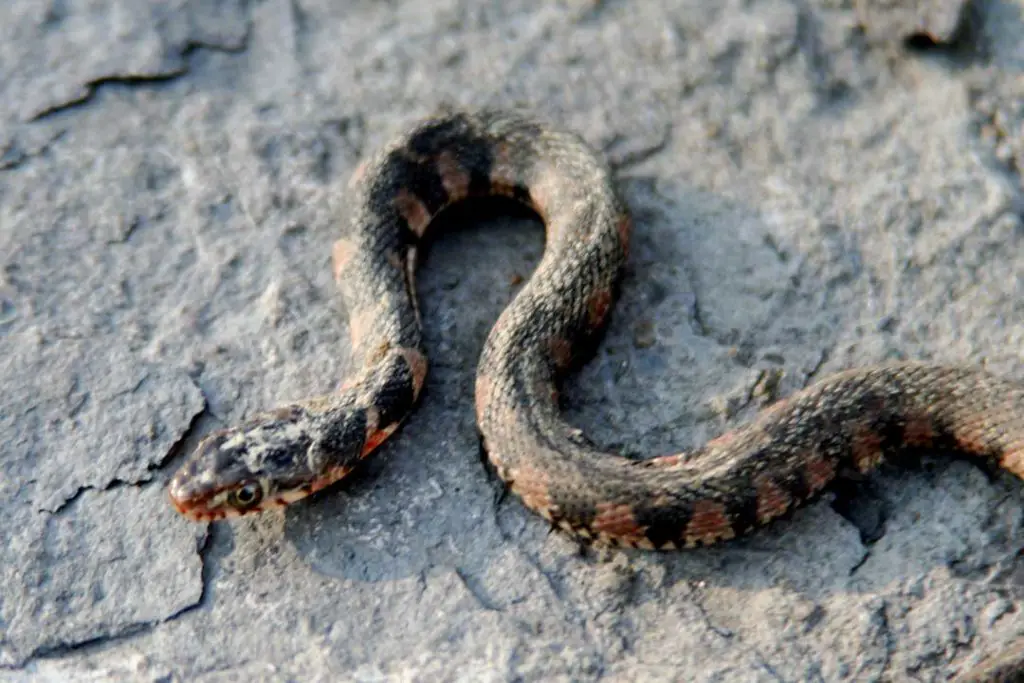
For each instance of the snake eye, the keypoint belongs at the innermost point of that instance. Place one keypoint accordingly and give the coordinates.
(246, 496)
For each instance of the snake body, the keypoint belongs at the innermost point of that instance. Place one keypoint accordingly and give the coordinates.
(744, 479)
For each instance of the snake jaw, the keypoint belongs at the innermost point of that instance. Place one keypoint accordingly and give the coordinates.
(217, 506)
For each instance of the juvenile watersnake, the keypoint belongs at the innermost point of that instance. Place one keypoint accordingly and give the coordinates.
(741, 480)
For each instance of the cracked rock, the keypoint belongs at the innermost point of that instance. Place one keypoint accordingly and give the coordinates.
(111, 563)
(81, 416)
(56, 52)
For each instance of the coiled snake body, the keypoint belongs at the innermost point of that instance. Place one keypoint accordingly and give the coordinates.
(733, 484)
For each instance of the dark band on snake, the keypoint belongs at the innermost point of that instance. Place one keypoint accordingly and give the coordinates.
(742, 480)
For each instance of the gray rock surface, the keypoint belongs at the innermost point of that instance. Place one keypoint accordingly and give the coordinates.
(939, 21)
(812, 191)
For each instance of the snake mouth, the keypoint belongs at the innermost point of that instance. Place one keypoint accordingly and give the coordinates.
(212, 506)
(196, 511)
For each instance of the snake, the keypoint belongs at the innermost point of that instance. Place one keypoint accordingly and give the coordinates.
(785, 456)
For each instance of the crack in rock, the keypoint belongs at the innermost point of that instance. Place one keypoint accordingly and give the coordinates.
(88, 89)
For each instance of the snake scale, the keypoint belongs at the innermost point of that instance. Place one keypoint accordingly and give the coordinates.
(739, 481)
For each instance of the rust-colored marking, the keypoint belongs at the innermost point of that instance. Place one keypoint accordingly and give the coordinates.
(358, 174)
(773, 410)
(483, 392)
(617, 520)
(708, 524)
(976, 435)
(503, 176)
(597, 306)
(544, 191)
(503, 187)
(329, 478)
(453, 176)
(417, 363)
(360, 324)
(721, 441)
(772, 500)
(546, 514)
(375, 439)
(501, 323)
(866, 449)
(971, 439)
(532, 485)
(624, 227)
(919, 432)
(376, 433)
(413, 210)
(818, 472)
(561, 352)
(342, 253)
(1013, 459)
(666, 461)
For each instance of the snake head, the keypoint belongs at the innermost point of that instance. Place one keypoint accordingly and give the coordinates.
(251, 468)
(274, 459)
